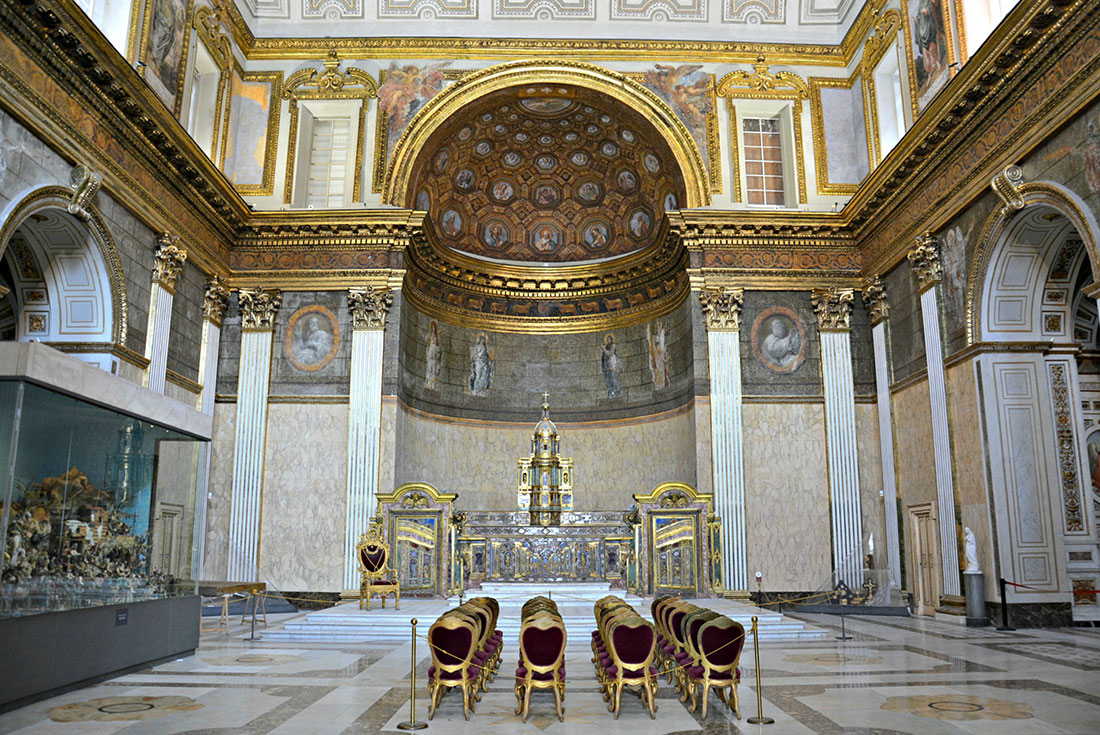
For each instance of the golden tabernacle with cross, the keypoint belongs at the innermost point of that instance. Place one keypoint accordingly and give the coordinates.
(545, 478)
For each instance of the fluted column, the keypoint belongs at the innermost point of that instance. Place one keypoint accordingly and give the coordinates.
(722, 312)
(874, 296)
(167, 265)
(925, 258)
(369, 308)
(833, 308)
(258, 309)
(214, 304)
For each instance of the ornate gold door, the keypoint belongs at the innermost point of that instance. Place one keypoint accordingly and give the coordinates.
(416, 545)
(674, 553)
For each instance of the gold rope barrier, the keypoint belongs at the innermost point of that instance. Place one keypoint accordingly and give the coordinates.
(760, 719)
(412, 724)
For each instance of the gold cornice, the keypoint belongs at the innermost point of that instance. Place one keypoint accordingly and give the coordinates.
(186, 383)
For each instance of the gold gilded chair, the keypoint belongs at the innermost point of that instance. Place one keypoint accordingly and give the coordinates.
(376, 576)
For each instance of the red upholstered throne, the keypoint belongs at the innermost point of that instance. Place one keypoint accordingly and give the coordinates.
(376, 576)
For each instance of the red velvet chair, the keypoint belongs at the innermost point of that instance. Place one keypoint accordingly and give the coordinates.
(542, 660)
(718, 643)
(376, 576)
(453, 642)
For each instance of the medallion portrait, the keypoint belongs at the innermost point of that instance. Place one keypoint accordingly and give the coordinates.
(441, 160)
(312, 338)
(512, 159)
(627, 135)
(779, 340)
(546, 195)
(546, 105)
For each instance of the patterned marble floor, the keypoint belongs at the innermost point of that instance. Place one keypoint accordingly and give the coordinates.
(896, 676)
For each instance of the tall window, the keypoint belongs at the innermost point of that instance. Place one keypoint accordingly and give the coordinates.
(763, 161)
(328, 162)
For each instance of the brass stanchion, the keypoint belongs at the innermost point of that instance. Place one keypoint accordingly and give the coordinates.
(412, 724)
(760, 719)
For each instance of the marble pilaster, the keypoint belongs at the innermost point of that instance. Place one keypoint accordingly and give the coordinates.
(168, 264)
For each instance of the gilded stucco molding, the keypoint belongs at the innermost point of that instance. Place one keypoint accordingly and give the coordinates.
(925, 259)
(817, 124)
(874, 297)
(762, 81)
(85, 183)
(722, 308)
(258, 308)
(1006, 185)
(833, 308)
(168, 261)
(215, 300)
(369, 307)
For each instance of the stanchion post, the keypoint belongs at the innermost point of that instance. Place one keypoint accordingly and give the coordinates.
(412, 724)
(843, 630)
(1004, 607)
(760, 719)
(251, 595)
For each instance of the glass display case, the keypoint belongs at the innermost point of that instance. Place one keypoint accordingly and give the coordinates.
(99, 507)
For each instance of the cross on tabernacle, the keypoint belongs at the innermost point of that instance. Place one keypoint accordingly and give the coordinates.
(545, 397)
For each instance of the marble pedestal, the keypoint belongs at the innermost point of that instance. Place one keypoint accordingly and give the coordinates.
(974, 586)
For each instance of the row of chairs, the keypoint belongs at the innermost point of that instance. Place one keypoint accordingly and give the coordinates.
(624, 646)
(465, 646)
(541, 654)
(699, 649)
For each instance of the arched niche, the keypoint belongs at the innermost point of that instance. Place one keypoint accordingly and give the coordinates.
(64, 277)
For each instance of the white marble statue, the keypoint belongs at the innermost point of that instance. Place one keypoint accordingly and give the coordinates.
(970, 548)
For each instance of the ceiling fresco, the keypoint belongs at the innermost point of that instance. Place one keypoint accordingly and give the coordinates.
(546, 174)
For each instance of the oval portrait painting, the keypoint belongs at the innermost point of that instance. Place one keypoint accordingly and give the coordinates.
(312, 338)
(778, 340)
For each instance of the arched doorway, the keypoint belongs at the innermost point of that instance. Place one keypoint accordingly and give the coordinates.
(62, 279)
(1039, 381)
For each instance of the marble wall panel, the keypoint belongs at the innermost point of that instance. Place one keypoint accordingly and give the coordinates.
(870, 481)
(229, 349)
(704, 467)
(906, 326)
(787, 495)
(304, 496)
(968, 453)
(216, 549)
(185, 341)
(387, 442)
(612, 461)
(913, 455)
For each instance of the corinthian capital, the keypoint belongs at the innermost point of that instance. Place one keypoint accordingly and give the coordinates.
(215, 300)
(258, 307)
(168, 261)
(833, 308)
(925, 258)
(722, 308)
(369, 307)
(874, 296)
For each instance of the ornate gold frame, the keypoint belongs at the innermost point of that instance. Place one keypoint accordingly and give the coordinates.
(881, 40)
(275, 79)
(206, 24)
(617, 86)
(330, 84)
(143, 51)
(763, 85)
(910, 59)
(817, 117)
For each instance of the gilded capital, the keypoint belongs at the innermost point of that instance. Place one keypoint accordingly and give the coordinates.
(874, 296)
(369, 307)
(215, 300)
(722, 308)
(833, 308)
(258, 307)
(925, 258)
(168, 261)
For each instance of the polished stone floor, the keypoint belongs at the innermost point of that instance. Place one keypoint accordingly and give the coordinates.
(895, 676)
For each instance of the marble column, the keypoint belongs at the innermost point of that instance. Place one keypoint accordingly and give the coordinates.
(214, 305)
(833, 308)
(874, 297)
(722, 312)
(925, 259)
(167, 265)
(369, 308)
(258, 309)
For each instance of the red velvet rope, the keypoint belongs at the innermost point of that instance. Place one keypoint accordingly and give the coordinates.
(1076, 592)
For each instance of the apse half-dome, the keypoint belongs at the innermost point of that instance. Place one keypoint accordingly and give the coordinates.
(543, 173)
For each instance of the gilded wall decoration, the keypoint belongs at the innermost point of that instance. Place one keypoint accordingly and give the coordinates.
(165, 49)
(690, 93)
(312, 338)
(545, 10)
(1092, 157)
(928, 35)
(1072, 501)
(427, 8)
(661, 11)
(779, 340)
(252, 132)
(402, 92)
(546, 173)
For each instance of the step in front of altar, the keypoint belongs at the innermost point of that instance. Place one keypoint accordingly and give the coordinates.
(347, 623)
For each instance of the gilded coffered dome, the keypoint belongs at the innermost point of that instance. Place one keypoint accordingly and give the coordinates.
(546, 173)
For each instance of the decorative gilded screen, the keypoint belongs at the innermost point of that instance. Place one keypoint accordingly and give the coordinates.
(416, 542)
(674, 553)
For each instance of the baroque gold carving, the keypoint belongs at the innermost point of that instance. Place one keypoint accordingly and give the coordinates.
(168, 261)
(369, 307)
(874, 296)
(85, 183)
(1007, 185)
(722, 308)
(207, 24)
(761, 80)
(833, 308)
(215, 300)
(925, 259)
(258, 308)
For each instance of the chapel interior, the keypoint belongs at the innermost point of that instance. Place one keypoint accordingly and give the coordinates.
(740, 357)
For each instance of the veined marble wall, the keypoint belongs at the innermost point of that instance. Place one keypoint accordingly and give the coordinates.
(216, 550)
(304, 491)
(870, 481)
(913, 461)
(787, 495)
(612, 461)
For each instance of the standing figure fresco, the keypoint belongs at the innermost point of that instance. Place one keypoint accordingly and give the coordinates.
(611, 366)
(658, 354)
(481, 366)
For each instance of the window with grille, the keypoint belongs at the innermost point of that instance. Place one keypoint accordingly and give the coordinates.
(328, 163)
(763, 161)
